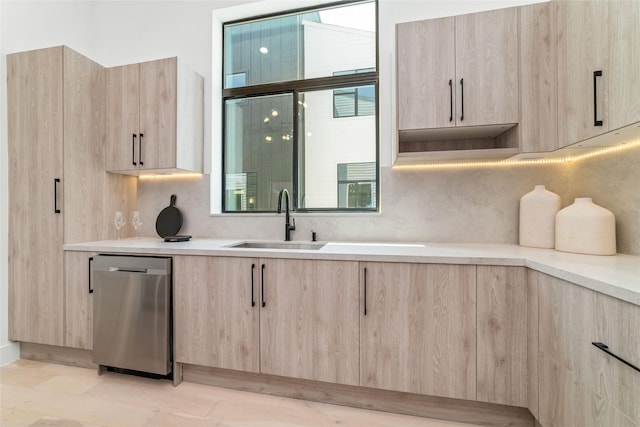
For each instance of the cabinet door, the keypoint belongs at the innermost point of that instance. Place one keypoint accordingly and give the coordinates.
(78, 298)
(425, 66)
(502, 335)
(419, 332)
(624, 61)
(86, 183)
(123, 117)
(158, 92)
(34, 101)
(582, 50)
(215, 320)
(487, 61)
(538, 125)
(309, 322)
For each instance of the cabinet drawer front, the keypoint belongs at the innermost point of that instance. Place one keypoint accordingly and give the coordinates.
(567, 401)
(571, 319)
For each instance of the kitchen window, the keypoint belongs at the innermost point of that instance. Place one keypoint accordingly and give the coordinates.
(300, 110)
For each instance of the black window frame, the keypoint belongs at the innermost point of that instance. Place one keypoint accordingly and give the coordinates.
(294, 87)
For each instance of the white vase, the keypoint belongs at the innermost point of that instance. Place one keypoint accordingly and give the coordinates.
(538, 210)
(586, 228)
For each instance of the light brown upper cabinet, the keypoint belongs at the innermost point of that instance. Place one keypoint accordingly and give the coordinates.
(59, 191)
(598, 68)
(154, 118)
(457, 81)
(538, 125)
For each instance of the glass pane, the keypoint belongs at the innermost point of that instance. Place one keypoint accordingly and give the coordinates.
(344, 102)
(301, 46)
(258, 152)
(337, 156)
(366, 100)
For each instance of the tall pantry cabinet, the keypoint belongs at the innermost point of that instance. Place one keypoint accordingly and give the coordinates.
(58, 190)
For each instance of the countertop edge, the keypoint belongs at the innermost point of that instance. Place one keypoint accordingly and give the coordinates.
(606, 275)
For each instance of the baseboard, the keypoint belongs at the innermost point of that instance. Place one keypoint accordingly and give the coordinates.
(485, 414)
(59, 355)
(9, 352)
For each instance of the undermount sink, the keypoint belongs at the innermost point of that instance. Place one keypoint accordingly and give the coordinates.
(279, 245)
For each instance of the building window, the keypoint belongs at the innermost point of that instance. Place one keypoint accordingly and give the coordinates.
(283, 75)
(354, 101)
(356, 185)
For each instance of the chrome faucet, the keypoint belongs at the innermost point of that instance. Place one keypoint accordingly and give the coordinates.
(288, 227)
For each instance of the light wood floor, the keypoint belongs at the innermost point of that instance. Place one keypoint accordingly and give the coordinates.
(42, 394)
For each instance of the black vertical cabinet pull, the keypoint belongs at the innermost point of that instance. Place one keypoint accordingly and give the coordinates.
(596, 74)
(450, 100)
(365, 291)
(605, 348)
(262, 286)
(253, 300)
(140, 150)
(133, 150)
(56, 209)
(462, 99)
(90, 288)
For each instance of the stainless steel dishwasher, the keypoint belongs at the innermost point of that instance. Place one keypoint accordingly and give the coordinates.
(132, 313)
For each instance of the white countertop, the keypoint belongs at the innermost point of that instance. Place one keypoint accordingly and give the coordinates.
(617, 276)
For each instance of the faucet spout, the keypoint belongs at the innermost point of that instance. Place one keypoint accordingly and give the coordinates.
(289, 223)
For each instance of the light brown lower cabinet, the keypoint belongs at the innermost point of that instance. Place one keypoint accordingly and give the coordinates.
(216, 312)
(287, 317)
(309, 320)
(579, 384)
(78, 300)
(419, 331)
(502, 335)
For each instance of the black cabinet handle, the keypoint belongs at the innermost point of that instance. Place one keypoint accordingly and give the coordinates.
(462, 99)
(253, 301)
(605, 348)
(365, 291)
(90, 288)
(133, 150)
(262, 286)
(140, 150)
(596, 74)
(56, 209)
(450, 100)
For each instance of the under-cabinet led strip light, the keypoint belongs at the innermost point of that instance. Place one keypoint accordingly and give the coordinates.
(179, 175)
(523, 162)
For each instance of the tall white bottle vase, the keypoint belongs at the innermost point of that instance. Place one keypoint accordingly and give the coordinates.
(538, 210)
(586, 228)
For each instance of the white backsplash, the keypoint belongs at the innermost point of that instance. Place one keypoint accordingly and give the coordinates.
(470, 205)
(458, 205)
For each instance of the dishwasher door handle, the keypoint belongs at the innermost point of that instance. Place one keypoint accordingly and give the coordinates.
(129, 270)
